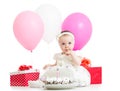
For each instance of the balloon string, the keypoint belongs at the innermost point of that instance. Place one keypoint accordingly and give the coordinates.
(31, 57)
(49, 52)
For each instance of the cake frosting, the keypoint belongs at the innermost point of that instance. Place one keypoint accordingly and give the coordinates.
(58, 75)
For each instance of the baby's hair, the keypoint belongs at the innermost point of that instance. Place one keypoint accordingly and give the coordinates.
(65, 31)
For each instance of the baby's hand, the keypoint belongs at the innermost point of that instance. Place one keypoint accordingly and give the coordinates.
(46, 66)
(69, 52)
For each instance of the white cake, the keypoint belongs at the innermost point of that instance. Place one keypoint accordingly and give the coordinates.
(59, 75)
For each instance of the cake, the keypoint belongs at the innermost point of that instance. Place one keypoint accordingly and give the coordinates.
(59, 75)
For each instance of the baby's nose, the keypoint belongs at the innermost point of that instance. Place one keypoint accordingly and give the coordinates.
(66, 46)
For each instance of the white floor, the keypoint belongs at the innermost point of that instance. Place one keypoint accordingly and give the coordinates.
(96, 87)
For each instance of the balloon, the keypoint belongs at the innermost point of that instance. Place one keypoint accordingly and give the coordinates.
(28, 29)
(81, 27)
(52, 21)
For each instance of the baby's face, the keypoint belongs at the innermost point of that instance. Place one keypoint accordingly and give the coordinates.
(66, 43)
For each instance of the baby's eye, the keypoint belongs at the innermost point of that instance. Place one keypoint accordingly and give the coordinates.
(63, 43)
(69, 43)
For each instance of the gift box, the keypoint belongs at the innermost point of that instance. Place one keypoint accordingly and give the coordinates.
(21, 78)
(96, 74)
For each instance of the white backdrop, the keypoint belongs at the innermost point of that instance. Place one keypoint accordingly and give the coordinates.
(103, 47)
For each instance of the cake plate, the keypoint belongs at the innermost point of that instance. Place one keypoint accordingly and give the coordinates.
(60, 86)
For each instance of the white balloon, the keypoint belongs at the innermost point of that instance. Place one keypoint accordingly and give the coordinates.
(52, 21)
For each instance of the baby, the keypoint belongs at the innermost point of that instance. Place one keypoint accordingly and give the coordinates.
(68, 58)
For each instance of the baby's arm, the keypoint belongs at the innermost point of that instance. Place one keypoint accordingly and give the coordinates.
(76, 59)
(50, 65)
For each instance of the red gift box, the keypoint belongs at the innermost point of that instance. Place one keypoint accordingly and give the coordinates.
(96, 74)
(21, 78)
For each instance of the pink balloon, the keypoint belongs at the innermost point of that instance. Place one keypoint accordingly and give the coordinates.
(80, 25)
(28, 29)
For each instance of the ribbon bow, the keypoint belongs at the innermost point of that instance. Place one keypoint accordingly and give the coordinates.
(24, 67)
(85, 63)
